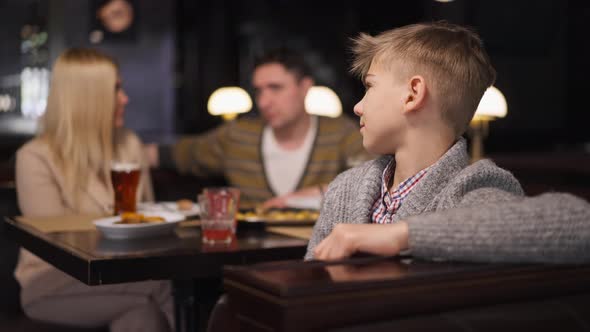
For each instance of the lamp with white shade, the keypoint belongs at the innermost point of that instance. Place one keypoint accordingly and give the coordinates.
(228, 102)
(323, 101)
(491, 106)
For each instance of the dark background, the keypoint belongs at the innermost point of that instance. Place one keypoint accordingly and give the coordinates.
(183, 50)
(179, 51)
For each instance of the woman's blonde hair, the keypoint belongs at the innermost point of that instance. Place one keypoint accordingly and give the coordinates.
(78, 123)
(451, 57)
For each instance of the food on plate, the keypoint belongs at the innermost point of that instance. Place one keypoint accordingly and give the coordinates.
(184, 204)
(138, 218)
(279, 215)
(246, 215)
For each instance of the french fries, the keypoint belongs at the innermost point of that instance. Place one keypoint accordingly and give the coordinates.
(184, 204)
(277, 215)
(138, 218)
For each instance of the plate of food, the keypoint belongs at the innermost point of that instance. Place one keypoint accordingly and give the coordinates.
(185, 207)
(138, 225)
(279, 216)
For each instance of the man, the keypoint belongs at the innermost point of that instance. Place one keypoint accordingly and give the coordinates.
(283, 154)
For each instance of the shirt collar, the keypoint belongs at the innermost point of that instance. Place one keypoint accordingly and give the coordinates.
(403, 188)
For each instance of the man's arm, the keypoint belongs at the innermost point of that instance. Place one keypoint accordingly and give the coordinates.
(198, 155)
(283, 200)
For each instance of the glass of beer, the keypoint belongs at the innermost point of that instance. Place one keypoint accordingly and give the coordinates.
(125, 179)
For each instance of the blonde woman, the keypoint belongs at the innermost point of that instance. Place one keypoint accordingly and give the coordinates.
(66, 170)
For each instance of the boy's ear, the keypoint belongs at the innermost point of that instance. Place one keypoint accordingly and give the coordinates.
(416, 96)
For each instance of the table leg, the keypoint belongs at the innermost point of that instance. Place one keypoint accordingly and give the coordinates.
(184, 305)
(207, 292)
(193, 302)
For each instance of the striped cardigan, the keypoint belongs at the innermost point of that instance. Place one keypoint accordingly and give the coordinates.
(234, 151)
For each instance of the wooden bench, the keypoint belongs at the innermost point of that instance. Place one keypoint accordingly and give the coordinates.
(377, 294)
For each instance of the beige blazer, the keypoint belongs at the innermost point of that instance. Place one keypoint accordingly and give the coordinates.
(41, 192)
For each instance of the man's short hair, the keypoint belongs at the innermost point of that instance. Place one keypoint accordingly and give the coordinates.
(452, 58)
(292, 60)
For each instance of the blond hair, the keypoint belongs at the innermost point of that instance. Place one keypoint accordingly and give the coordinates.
(78, 123)
(451, 57)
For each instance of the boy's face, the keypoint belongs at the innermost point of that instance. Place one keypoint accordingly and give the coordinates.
(279, 95)
(380, 110)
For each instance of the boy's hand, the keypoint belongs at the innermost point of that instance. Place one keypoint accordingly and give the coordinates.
(346, 239)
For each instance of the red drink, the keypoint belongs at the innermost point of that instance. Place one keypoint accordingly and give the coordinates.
(219, 202)
(217, 235)
(218, 209)
(125, 179)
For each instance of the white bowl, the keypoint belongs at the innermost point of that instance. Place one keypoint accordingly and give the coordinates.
(111, 230)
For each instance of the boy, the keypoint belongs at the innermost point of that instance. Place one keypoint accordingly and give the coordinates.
(423, 84)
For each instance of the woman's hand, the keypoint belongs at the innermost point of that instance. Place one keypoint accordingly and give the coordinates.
(151, 154)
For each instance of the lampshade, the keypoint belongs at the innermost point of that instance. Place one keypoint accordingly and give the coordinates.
(323, 101)
(492, 105)
(229, 102)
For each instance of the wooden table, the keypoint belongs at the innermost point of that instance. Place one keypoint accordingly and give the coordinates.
(317, 296)
(196, 268)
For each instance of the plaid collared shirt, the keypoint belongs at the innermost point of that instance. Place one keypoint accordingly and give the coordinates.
(387, 204)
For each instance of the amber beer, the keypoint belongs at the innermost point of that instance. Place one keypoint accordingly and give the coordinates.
(125, 179)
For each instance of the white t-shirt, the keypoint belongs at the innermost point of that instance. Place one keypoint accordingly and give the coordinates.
(284, 168)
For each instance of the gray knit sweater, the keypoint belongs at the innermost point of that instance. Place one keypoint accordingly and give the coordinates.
(490, 220)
